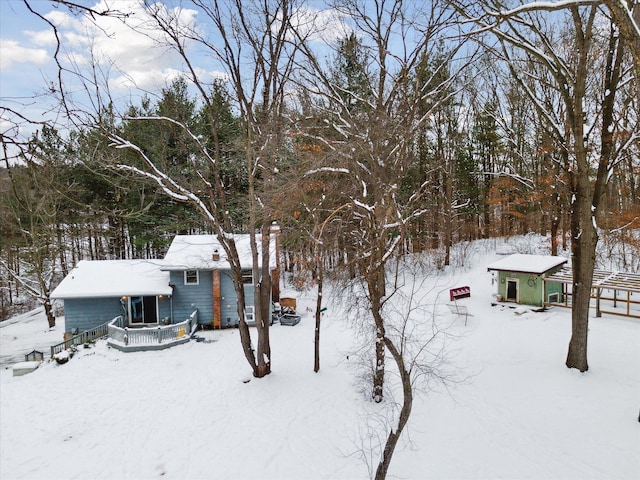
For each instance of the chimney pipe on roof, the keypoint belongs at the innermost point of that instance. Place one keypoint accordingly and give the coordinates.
(216, 255)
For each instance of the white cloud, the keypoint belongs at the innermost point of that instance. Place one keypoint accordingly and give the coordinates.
(62, 19)
(42, 38)
(154, 80)
(133, 47)
(315, 25)
(12, 52)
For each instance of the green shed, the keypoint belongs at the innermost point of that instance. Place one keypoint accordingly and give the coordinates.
(520, 278)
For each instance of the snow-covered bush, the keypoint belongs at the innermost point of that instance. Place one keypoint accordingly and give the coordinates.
(62, 357)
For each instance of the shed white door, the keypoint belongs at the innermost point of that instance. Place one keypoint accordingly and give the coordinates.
(512, 289)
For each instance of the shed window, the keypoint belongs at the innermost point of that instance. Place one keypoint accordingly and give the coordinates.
(191, 277)
(247, 277)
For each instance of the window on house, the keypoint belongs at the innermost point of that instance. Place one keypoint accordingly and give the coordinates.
(250, 314)
(247, 277)
(191, 277)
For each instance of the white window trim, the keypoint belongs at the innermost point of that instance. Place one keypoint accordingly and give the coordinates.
(143, 323)
(517, 282)
(250, 271)
(197, 282)
(250, 313)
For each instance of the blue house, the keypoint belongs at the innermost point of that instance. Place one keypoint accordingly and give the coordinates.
(192, 282)
(95, 292)
(201, 278)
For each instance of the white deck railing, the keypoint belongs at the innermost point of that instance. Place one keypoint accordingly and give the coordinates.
(152, 336)
(84, 337)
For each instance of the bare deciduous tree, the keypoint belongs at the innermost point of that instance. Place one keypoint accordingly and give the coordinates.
(251, 45)
(372, 124)
(582, 91)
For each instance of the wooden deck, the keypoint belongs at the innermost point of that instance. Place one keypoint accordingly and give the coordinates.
(82, 338)
(140, 339)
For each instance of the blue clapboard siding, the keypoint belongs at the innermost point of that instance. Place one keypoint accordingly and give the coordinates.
(229, 300)
(87, 313)
(187, 298)
(164, 308)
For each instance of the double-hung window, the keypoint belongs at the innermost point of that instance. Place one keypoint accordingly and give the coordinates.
(191, 277)
(247, 277)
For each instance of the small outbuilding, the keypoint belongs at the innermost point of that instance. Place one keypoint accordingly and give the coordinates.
(520, 278)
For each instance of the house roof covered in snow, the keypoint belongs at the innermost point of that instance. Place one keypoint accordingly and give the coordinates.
(114, 278)
(524, 263)
(196, 252)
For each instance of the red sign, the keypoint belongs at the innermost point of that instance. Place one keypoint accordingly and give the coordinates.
(459, 292)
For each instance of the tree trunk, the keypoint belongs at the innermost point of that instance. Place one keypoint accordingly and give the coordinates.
(405, 411)
(448, 220)
(555, 224)
(378, 374)
(583, 262)
(245, 336)
(584, 238)
(588, 192)
(263, 306)
(48, 309)
(316, 354)
(376, 285)
(583, 249)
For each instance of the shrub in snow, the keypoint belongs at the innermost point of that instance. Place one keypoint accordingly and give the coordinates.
(62, 357)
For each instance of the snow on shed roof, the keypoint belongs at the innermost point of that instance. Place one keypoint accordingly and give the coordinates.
(520, 262)
(114, 278)
(195, 252)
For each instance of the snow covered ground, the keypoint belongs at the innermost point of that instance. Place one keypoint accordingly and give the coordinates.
(27, 332)
(189, 412)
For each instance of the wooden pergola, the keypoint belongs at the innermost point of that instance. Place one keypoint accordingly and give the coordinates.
(603, 280)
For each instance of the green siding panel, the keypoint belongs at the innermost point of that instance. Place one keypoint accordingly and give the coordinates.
(530, 287)
(554, 287)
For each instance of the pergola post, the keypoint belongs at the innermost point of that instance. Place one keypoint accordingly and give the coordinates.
(605, 281)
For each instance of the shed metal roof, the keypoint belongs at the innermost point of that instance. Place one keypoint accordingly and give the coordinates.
(524, 263)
